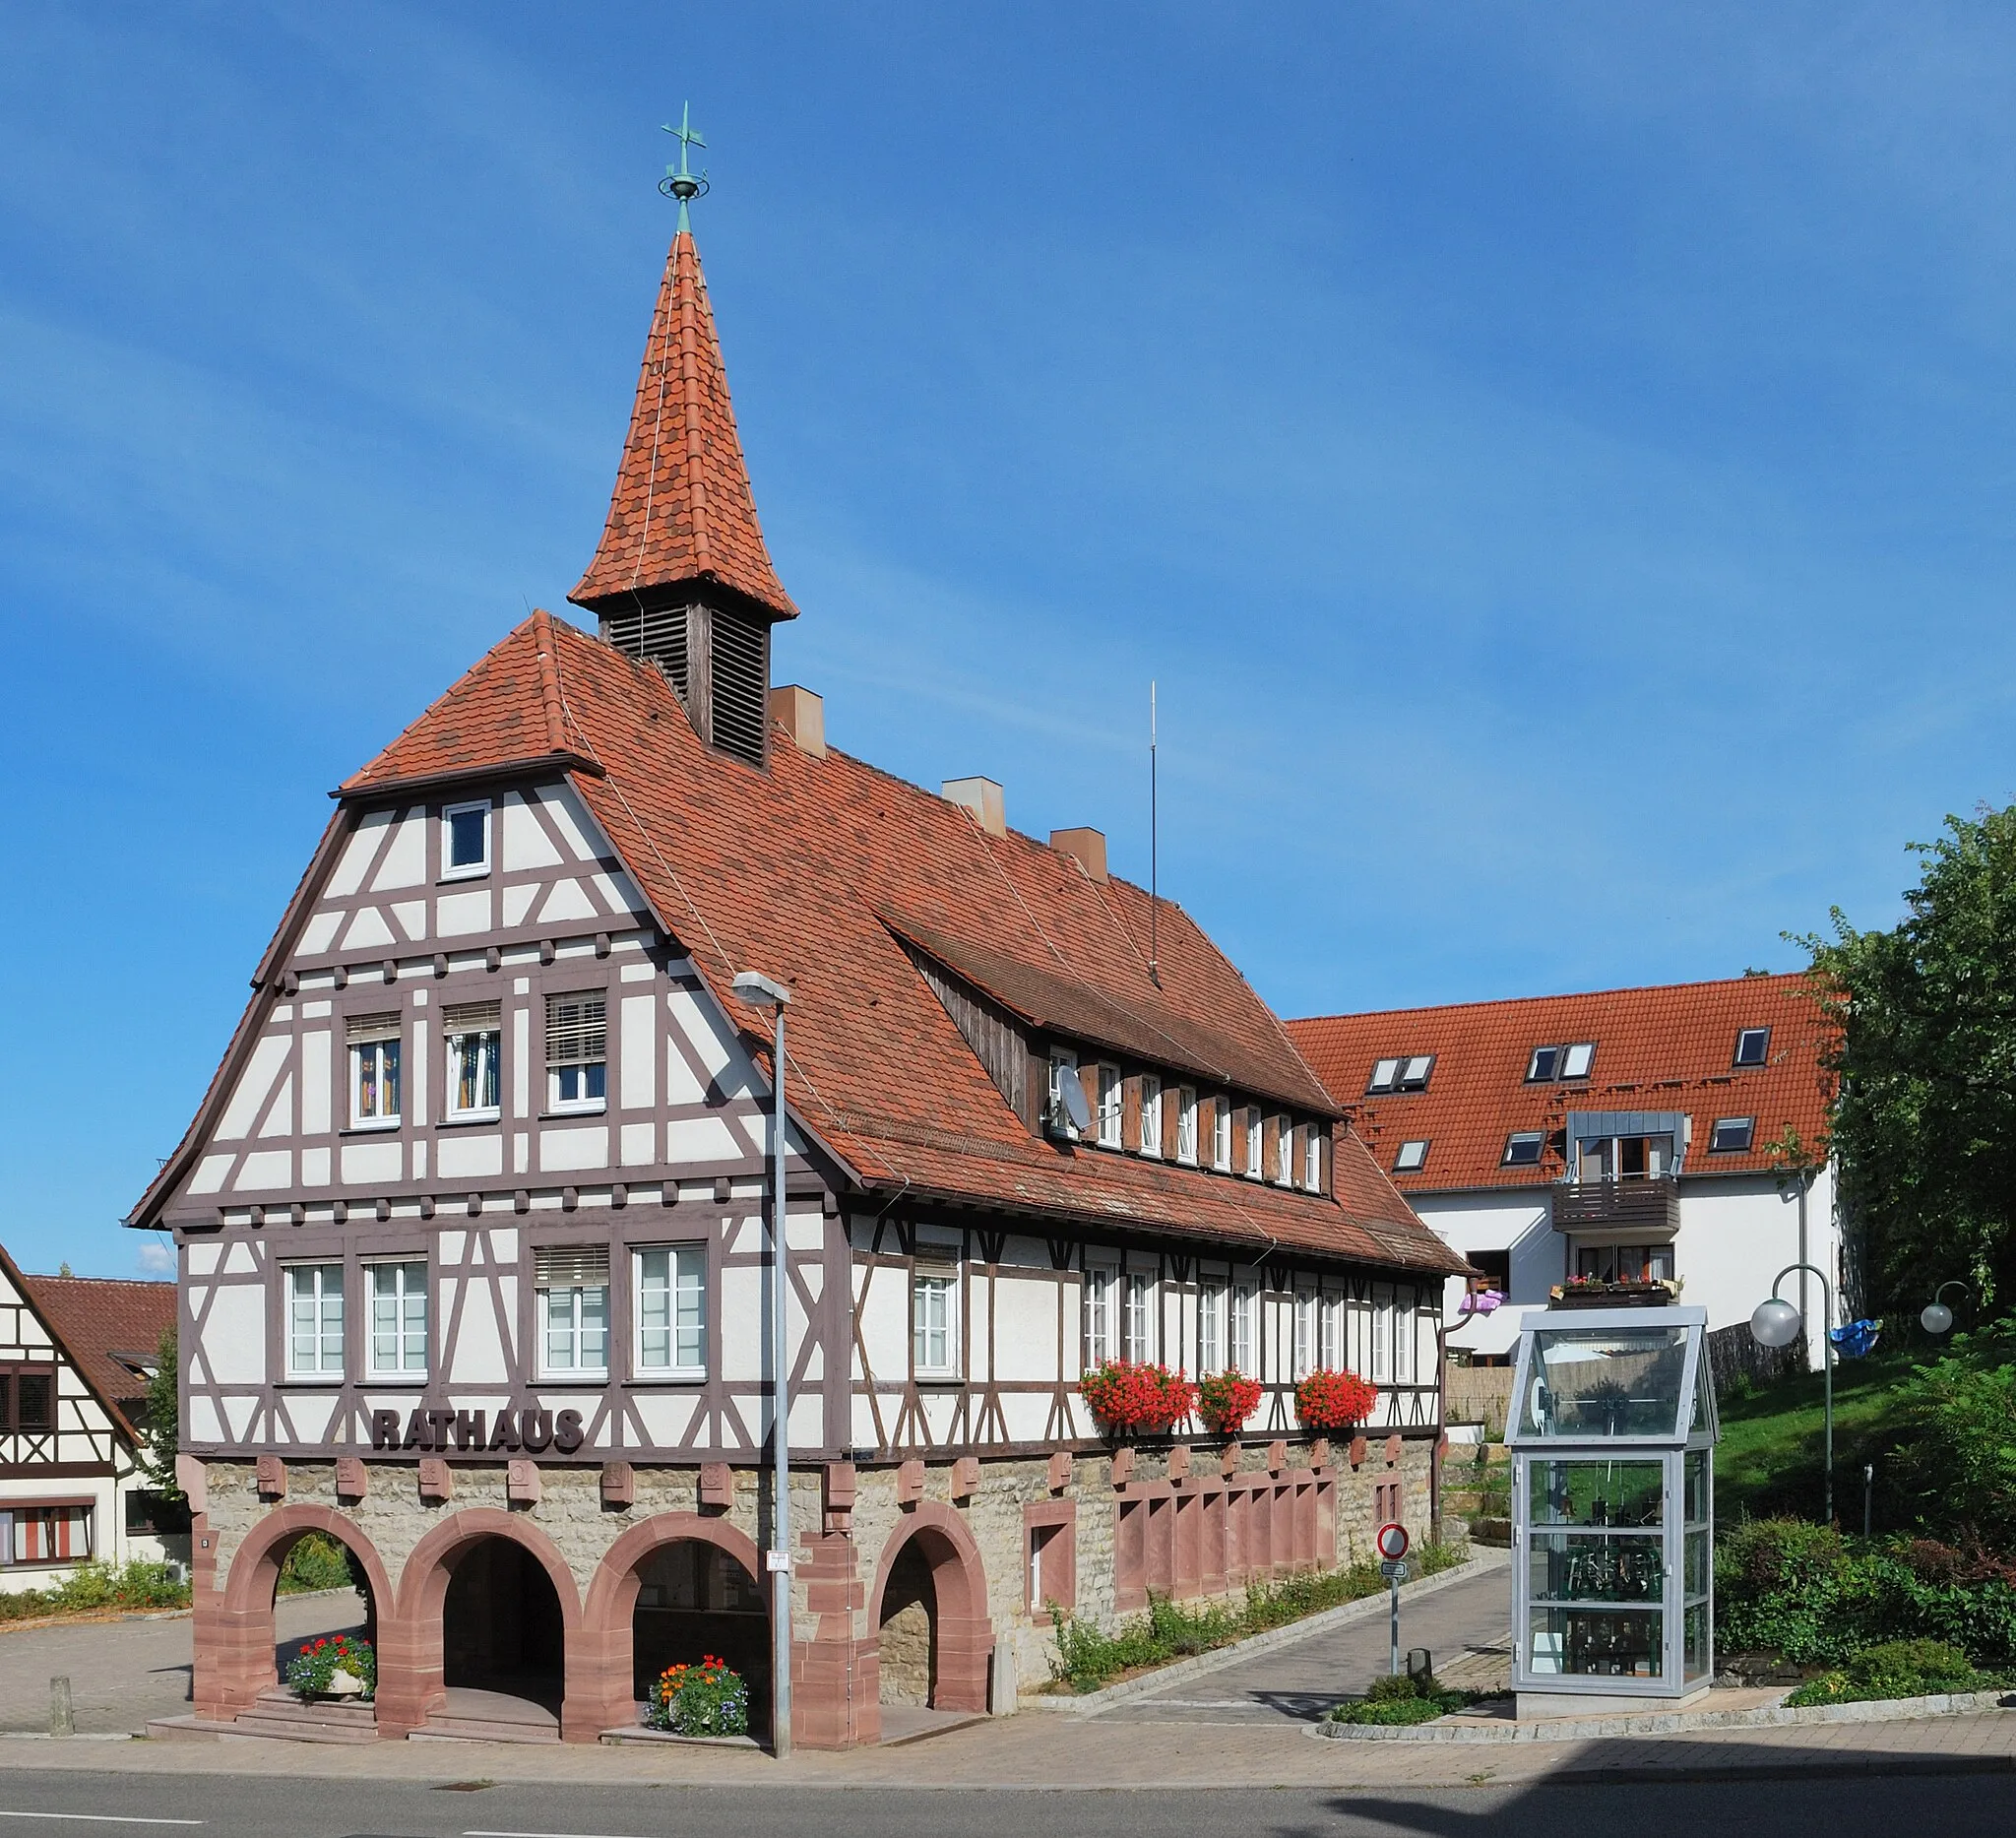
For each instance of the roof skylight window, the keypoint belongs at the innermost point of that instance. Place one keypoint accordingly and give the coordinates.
(1384, 1073)
(1411, 1157)
(1753, 1046)
(1730, 1135)
(1522, 1148)
(1546, 1064)
(1577, 1060)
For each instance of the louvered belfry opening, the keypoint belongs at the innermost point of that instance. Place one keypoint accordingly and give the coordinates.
(740, 688)
(653, 634)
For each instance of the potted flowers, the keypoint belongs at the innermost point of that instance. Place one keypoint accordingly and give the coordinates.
(1328, 1400)
(708, 1699)
(1134, 1398)
(1225, 1400)
(334, 1667)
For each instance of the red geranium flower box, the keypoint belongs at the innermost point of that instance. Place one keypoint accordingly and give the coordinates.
(1130, 1397)
(1227, 1400)
(1328, 1400)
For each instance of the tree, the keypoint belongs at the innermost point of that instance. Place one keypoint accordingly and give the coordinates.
(1925, 1117)
(161, 1436)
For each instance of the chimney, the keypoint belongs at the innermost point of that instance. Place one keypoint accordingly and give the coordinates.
(803, 716)
(1087, 848)
(980, 796)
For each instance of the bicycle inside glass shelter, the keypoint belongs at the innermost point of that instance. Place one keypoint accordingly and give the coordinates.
(1613, 1440)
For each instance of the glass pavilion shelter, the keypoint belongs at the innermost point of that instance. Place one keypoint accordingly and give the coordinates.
(1612, 1435)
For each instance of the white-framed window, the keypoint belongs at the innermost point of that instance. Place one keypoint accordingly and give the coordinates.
(1312, 1159)
(1221, 1134)
(314, 1320)
(1753, 1046)
(474, 1033)
(573, 1292)
(1210, 1328)
(1111, 1109)
(398, 1297)
(935, 1322)
(1243, 1341)
(1382, 1335)
(1284, 1154)
(1099, 1316)
(1255, 1143)
(466, 840)
(577, 1051)
(1137, 1318)
(1186, 1125)
(671, 1288)
(1329, 1333)
(1305, 1331)
(1151, 1115)
(1403, 1337)
(373, 1042)
(1063, 1065)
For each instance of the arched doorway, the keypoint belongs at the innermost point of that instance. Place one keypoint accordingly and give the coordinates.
(693, 1599)
(252, 1630)
(502, 1628)
(907, 1639)
(936, 1641)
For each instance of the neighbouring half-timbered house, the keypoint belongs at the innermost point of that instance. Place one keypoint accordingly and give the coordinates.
(473, 1222)
(76, 1354)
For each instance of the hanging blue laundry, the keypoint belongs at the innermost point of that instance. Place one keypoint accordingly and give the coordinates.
(1857, 1340)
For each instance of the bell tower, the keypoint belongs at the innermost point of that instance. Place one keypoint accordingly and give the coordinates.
(681, 577)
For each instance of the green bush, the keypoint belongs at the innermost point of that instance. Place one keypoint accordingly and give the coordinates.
(1805, 1592)
(318, 1562)
(1896, 1668)
(95, 1587)
(1956, 1460)
(1088, 1656)
(1402, 1698)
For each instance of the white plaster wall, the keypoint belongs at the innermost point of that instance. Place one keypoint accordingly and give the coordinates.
(1519, 1220)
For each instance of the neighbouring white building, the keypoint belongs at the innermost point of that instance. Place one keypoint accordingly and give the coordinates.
(75, 1356)
(1622, 1134)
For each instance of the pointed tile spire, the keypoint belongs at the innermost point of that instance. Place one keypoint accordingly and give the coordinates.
(682, 510)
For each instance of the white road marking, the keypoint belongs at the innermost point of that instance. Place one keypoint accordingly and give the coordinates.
(99, 1818)
(536, 1835)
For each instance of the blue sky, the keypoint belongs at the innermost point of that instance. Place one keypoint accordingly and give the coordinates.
(1555, 462)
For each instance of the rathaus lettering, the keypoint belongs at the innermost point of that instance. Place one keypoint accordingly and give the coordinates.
(435, 1432)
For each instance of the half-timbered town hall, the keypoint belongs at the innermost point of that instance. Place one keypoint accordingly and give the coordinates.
(473, 1231)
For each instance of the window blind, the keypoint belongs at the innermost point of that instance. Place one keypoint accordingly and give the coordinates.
(577, 1028)
(473, 1018)
(572, 1266)
(371, 1028)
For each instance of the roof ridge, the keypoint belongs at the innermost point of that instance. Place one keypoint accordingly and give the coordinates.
(1566, 995)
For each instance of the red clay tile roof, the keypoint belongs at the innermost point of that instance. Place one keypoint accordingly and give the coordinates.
(682, 508)
(792, 872)
(1669, 1048)
(95, 1319)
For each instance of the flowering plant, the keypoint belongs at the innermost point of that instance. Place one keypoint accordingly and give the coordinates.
(706, 1699)
(1128, 1395)
(1225, 1400)
(1328, 1400)
(314, 1671)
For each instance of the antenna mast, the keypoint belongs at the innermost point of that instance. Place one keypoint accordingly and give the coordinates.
(1154, 895)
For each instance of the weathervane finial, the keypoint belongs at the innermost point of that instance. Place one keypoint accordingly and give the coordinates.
(679, 182)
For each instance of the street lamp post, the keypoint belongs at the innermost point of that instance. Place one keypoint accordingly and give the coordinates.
(1935, 1317)
(759, 991)
(1777, 1323)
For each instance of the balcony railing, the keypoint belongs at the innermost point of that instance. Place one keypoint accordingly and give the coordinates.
(1633, 1204)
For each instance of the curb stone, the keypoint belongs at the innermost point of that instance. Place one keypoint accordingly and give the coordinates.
(1670, 1722)
(1363, 1608)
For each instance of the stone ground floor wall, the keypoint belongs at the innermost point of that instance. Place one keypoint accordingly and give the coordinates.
(959, 1559)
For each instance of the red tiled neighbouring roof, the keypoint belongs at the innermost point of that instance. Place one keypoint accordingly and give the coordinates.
(96, 1320)
(1667, 1047)
(682, 508)
(791, 870)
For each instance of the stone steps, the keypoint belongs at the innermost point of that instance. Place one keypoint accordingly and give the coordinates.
(474, 1716)
(281, 1716)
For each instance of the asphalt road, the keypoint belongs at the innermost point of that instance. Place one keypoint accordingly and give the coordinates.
(68, 1805)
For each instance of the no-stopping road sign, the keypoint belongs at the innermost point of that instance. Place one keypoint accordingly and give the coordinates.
(1391, 1540)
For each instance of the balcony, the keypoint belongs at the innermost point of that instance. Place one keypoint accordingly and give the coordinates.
(1629, 1207)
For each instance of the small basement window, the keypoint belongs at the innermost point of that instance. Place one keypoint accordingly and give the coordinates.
(1753, 1046)
(1522, 1148)
(1412, 1156)
(1577, 1060)
(1730, 1135)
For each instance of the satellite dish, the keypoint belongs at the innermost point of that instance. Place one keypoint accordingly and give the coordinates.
(1070, 1103)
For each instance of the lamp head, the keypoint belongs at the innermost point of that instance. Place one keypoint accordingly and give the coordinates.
(1936, 1318)
(759, 991)
(1775, 1323)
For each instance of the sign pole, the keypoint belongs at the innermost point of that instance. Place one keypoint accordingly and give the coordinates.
(1391, 1542)
(1395, 1587)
